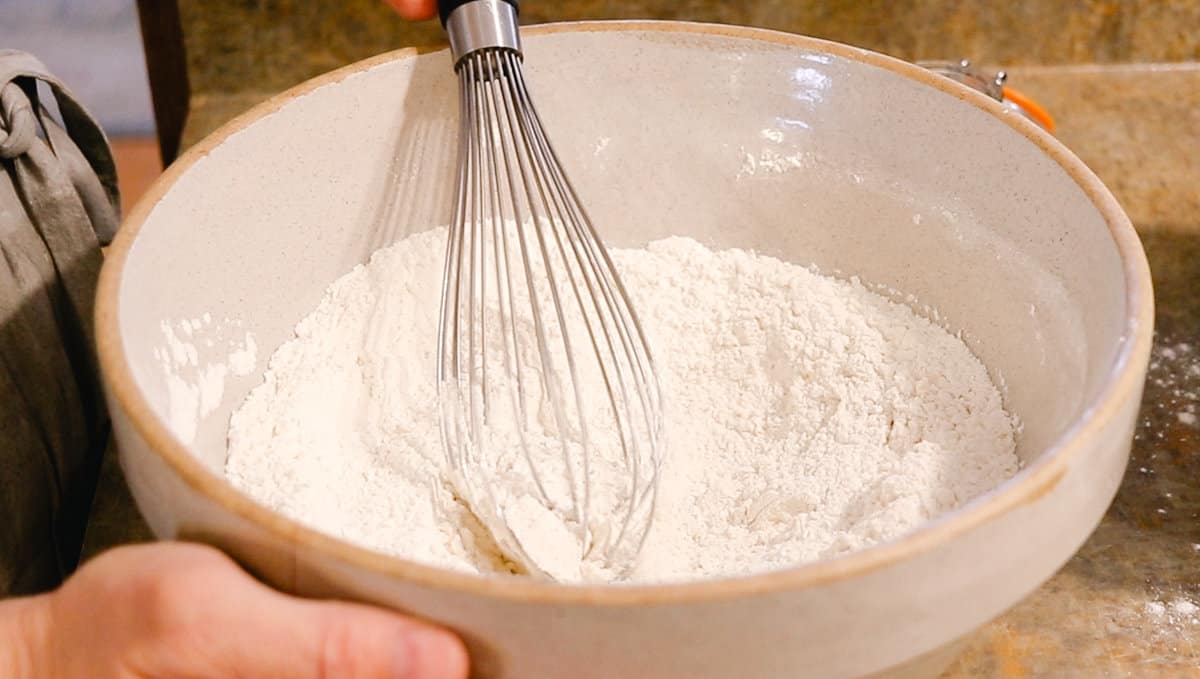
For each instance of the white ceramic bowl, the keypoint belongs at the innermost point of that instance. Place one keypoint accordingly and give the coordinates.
(811, 151)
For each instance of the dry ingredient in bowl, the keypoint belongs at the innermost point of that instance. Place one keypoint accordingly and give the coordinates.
(808, 417)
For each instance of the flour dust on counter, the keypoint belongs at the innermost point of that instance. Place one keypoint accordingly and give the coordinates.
(807, 417)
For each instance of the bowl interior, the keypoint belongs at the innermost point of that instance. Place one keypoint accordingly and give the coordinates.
(799, 153)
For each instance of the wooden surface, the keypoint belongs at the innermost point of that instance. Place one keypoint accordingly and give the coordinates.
(166, 64)
(138, 165)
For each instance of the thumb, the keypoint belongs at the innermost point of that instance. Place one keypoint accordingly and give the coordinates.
(329, 639)
(270, 634)
(176, 610)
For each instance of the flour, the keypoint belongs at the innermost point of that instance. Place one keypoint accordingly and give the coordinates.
(195, 388)
(807, 417)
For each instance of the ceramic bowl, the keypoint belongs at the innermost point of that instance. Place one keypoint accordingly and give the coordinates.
(812, 151)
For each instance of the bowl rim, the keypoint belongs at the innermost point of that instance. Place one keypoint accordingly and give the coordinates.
(1123, 382)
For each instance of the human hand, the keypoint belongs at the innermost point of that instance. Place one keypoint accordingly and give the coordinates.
(171, 611)
(414, 10)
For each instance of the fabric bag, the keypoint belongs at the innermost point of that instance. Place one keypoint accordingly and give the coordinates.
(58, 204)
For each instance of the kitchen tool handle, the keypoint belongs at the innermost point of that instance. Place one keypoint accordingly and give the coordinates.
(445, 7)
(475, 25)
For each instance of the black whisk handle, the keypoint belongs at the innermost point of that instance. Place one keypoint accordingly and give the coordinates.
(445, 7)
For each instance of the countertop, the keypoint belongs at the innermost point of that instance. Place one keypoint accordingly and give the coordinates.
(1128, 604)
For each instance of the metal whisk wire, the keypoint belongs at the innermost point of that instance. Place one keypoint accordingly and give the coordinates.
(552, 280)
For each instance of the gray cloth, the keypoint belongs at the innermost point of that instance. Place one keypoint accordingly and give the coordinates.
(58, 204)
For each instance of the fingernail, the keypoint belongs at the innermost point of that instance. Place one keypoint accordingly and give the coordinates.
(430, 654)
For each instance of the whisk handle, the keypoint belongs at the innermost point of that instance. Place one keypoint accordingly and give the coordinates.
(445, 7)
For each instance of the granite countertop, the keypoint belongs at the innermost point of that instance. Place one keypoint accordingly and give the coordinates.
(1128, 604)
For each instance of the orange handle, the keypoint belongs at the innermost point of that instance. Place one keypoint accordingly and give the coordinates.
(1034, 109)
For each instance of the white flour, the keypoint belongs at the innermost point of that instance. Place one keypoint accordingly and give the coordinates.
(807, 417)
(195, 389)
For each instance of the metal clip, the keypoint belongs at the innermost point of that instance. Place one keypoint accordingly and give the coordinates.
(993, 84)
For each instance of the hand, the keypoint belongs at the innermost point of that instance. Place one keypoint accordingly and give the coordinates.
(414, 10)
(170, 611)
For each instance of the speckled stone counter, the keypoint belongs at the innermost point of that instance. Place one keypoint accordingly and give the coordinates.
(268, 46)
(1128, 604)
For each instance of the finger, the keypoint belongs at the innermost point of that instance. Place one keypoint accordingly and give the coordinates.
(414, 10)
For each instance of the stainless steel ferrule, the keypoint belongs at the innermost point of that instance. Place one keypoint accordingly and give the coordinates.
(482, 24)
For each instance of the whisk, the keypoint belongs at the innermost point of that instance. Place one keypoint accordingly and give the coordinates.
(551, 411)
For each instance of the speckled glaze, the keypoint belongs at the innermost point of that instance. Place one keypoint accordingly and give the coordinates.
(1136, 127)
(808, 150)
(1122, 78)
